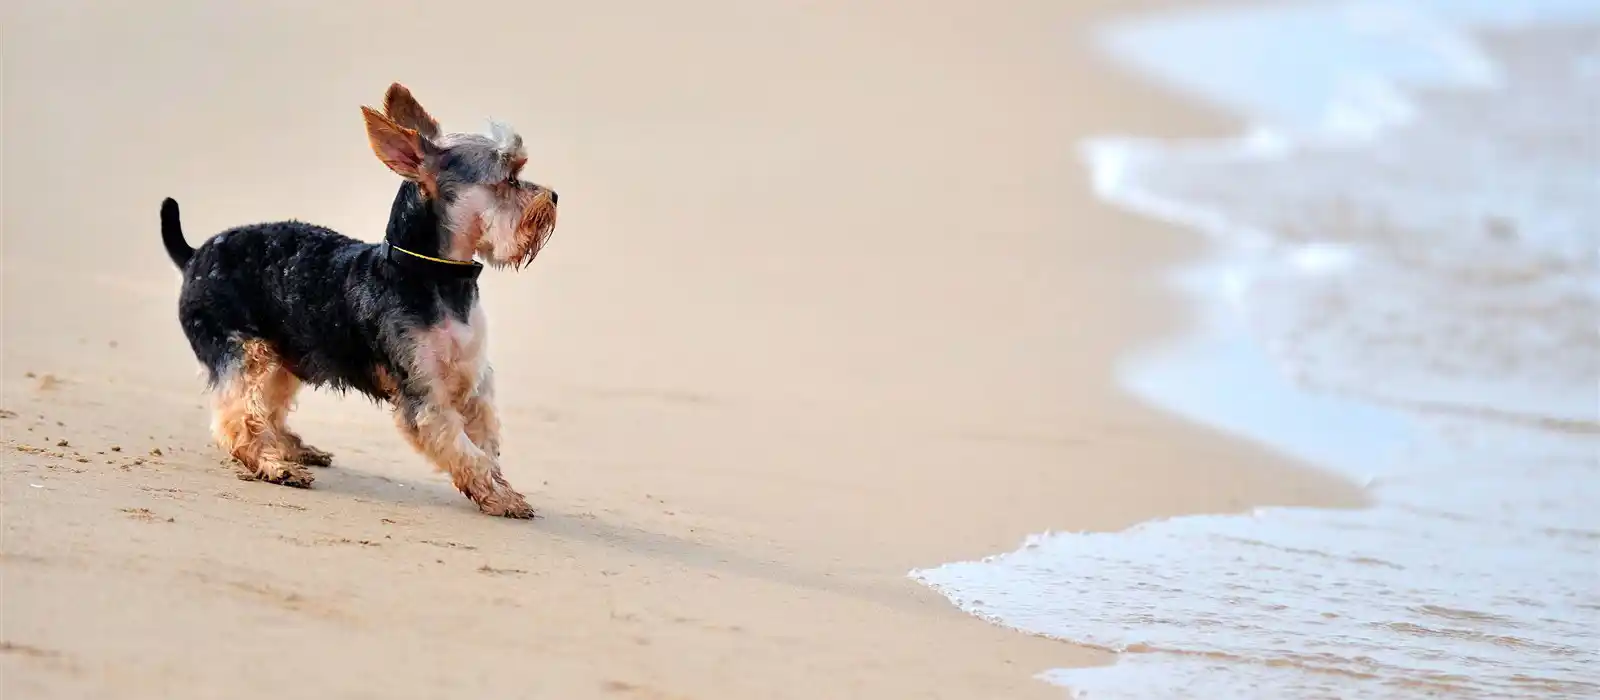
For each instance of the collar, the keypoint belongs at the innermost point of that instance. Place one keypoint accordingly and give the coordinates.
(437, 267)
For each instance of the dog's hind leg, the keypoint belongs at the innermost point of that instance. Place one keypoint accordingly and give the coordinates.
(282, 383)
(249, 394)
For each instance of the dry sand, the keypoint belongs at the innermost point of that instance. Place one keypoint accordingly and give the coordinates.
(830, 299)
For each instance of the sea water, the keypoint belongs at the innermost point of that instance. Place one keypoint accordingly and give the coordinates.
(1405, 289)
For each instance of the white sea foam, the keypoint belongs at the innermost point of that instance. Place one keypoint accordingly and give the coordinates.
(1406, 290)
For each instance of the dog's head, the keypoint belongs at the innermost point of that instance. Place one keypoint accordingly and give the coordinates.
(472, 179)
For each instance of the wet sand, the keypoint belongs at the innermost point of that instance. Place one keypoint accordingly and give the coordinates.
(830, 299)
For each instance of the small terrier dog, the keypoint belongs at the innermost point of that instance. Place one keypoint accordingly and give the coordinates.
(267, 307)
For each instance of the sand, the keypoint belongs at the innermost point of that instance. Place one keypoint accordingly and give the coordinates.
(830, 299)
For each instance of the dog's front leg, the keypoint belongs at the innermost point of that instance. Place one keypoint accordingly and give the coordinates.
(482, 421)
(439, 431)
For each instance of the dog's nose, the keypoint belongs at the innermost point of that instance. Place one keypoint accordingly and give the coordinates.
(555, 198)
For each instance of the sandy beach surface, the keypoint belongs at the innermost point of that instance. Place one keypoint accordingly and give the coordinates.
(829, 300)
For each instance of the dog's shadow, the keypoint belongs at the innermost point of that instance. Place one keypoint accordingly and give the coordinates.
(448, 506)
(363, 485)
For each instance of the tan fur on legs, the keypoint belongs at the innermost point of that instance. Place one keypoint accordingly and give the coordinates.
(280, 386)
(444, 409)
(244, 425)
(477, 411)
(439, 433)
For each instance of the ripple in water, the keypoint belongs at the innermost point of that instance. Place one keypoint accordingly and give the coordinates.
(1407, 290)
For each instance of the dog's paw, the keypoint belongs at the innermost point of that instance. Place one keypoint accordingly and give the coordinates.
(289, 475)
(311, 457)
(508, 505)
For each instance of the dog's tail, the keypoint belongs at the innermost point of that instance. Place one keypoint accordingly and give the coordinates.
(172, 234)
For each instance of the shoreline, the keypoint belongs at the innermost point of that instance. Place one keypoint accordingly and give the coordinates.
(1459, 576)
(736, 460)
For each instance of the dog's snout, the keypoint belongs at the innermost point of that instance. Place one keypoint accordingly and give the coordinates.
(555, 198)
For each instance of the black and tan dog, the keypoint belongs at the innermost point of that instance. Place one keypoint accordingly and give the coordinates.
(267, 307)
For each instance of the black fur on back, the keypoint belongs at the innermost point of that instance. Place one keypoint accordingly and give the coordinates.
(333, 307)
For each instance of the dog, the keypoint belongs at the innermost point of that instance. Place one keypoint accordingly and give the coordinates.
(268, 307)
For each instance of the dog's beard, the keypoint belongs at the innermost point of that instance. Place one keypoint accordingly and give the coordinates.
(537, 224)
(514, 233)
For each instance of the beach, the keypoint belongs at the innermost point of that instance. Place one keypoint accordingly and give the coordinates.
(832, 298)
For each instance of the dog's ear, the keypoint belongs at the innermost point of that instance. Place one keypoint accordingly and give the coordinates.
(401, 106)
(402, 149)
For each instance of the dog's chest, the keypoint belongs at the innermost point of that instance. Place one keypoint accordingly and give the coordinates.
(452, 352)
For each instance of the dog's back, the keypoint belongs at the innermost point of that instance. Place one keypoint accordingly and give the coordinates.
(287, 283)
